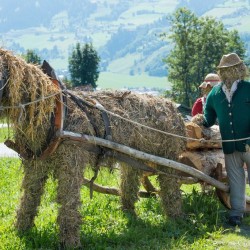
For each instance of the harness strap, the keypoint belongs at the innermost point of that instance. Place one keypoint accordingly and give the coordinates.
(59, 118)
(3, 82)
(1, 88)
(59, 108)
(93, 104)
(59, 115)
(105, 118)
(82, 105)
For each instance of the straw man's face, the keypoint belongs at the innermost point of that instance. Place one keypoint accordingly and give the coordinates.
(230, 74)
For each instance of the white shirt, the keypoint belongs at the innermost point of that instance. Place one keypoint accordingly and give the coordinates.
(229, 93)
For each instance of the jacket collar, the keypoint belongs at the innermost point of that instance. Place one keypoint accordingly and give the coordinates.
(230, 92)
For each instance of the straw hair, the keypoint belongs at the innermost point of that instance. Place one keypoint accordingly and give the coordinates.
(229, 60)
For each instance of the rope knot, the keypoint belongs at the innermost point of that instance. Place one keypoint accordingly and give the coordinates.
(202, 140)
(22, 110)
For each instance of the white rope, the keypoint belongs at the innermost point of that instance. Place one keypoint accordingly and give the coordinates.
(22, 105)
(100, 107)
(166, 133)
(4, 85)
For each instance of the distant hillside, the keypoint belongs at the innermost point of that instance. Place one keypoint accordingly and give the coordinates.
(125, 32)
(24, 14)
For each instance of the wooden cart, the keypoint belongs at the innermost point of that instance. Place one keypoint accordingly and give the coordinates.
(202, 162)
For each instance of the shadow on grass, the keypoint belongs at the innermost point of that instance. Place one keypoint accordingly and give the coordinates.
(205, 216)
(46, 238)
(149, 230)
(243, 230)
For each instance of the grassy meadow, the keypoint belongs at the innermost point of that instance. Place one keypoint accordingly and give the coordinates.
(106, 227)
(4, 134)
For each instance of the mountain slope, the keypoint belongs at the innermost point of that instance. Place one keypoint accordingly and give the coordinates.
(125, 32)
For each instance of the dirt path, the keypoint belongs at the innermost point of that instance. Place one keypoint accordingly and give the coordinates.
(7, 152)
(4, 150)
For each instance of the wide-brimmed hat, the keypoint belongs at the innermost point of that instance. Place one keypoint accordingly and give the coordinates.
(210, 79)
(229, 60)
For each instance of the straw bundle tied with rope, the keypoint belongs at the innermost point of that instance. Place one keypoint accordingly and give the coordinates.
(28, 103)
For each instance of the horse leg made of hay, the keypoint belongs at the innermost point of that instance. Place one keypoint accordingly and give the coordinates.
(70, 178)
(29, 102)
(33, 184)
(129, 190)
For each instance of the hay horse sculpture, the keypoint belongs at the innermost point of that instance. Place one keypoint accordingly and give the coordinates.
(41, 112)
(31, 102)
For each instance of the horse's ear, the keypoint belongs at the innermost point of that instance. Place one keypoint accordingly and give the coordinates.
(47, 69)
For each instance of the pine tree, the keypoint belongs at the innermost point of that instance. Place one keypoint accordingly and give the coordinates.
(83, 65)
(31, 57)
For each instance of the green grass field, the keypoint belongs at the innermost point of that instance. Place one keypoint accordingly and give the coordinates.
(106, 227)
(4, 134)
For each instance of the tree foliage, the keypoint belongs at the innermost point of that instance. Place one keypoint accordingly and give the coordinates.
(199, 44)
(31, 57)
(83, 65)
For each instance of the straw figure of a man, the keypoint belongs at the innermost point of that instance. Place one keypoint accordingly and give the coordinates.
(229, 103)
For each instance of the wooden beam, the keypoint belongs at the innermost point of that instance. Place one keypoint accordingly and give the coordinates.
(113, 190)
(143, 156)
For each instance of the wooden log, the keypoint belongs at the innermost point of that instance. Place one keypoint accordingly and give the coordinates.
(211, 162)
(147, 184)
(143, 156)
(205, 138)
(193, 130)
(206, 161)
(111, 190)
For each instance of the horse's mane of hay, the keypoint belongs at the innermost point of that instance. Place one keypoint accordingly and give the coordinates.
(26, 83)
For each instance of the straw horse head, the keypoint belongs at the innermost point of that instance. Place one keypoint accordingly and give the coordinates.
(30, 102)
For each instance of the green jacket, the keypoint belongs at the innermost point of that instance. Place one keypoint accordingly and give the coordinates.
(233, 118)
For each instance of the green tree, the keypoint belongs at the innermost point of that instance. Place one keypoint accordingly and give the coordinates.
(67, 82)
(180, 61)
(31, 57)
(199, 44)
(235, 44)
(83, 65)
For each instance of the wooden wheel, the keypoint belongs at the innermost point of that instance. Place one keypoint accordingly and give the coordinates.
(224, 197)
